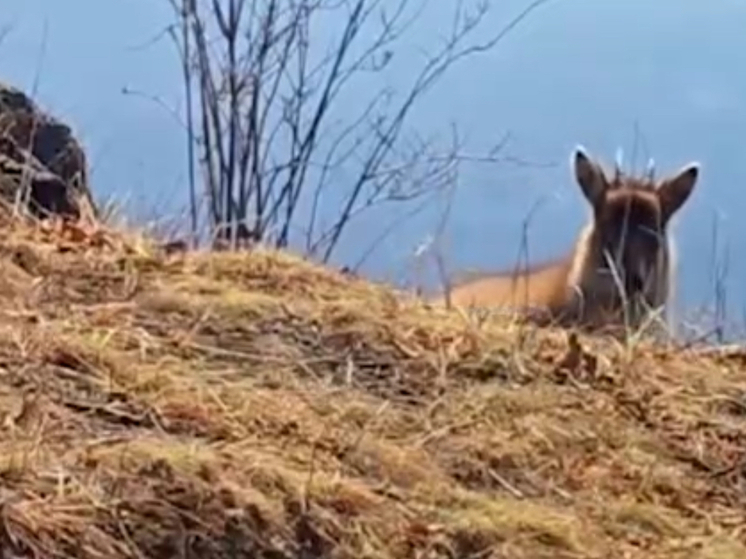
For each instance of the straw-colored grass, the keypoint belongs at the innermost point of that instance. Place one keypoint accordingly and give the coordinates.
(257, 405)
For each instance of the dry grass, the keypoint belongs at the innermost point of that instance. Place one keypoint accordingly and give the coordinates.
(255, 405)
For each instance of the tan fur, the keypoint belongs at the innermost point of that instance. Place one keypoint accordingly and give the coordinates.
(578, 288)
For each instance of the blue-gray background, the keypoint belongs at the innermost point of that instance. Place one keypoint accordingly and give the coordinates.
(575, 71)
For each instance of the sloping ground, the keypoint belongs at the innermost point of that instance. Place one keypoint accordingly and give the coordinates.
(258, 406)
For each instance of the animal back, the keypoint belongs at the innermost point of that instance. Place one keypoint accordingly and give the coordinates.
(539, 287)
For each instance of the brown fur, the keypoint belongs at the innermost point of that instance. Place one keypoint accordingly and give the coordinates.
(629, 224)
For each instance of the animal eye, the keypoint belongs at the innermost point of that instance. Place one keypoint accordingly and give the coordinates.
(649, 231)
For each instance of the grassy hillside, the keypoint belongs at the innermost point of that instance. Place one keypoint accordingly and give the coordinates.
(255, 405)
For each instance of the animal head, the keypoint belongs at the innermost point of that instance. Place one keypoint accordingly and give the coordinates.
(630, 218)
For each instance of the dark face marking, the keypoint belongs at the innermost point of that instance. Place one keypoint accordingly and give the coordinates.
(631, 232)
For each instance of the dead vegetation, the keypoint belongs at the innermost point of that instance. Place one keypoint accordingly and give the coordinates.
(255, 405)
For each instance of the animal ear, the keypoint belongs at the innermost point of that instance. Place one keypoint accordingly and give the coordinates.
(675, 190)
(589, 176)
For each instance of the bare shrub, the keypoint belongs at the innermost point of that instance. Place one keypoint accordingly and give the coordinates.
(264, 120)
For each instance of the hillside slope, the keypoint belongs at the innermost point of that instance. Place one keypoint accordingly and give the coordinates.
(255, 405)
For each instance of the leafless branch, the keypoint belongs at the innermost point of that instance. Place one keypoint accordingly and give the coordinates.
(262, 120)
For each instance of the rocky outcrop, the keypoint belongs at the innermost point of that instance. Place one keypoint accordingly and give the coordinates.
(38, 150)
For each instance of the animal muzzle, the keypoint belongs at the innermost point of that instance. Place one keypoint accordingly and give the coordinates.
(637, 278)
(634, 283)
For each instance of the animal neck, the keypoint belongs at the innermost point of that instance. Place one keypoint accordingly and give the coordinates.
(582, 261)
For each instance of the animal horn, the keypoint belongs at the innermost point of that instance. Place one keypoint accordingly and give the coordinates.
(618, 162)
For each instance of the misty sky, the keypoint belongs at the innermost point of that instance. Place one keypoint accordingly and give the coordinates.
(575, 71)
